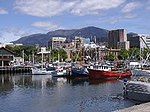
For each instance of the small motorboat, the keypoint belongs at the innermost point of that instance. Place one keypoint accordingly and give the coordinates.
(59, 72)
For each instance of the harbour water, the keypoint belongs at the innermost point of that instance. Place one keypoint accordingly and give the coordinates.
(42, 93)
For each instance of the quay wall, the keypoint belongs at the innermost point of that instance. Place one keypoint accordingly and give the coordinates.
(13, 70)
(137, 108)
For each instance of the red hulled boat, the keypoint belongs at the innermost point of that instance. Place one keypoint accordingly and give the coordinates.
(105, 72)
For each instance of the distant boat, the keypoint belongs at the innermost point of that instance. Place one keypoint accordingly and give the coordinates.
(60, 69)
(106, 72)
(138, 90)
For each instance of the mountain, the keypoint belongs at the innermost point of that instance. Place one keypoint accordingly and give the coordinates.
(87, 32)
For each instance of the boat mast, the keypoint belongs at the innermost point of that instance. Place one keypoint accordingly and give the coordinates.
(42, 60)
(58, 56)
(58, 51)
(52, 54)
(23, 56)
(33, 57)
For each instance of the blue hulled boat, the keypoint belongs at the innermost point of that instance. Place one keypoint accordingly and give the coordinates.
(79, 72)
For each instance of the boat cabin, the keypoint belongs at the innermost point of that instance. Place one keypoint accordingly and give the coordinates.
(101, 67)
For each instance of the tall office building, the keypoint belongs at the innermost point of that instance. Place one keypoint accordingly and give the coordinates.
(134, 40)
(117, 39)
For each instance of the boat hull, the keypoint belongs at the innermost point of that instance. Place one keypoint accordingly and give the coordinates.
(41, 72)
(79, 73)
(76, 74)
(60, 74)
(99, 74)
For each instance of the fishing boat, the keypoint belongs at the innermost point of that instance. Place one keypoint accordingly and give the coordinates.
(138, 89)
(40, 69)
(107, 72)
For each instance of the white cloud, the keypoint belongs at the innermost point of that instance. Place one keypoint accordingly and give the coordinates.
(114, 20)
(95, 6)
(49, 8)
(129, 16)
(130, 7)
(45, 25)
(42, 8)
(12, 33)
(148, 8)
(3, 11)
(125, 17)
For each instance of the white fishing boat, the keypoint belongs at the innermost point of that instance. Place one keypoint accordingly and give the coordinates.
(138, 89)
(40, 69)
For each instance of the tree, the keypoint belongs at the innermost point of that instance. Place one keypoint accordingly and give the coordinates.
(110, 57)
(124, 54)
(134, 53)
(18, 50)
(145, 52)
(61, 53)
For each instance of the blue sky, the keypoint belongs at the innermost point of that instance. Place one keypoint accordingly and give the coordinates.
(24, 17)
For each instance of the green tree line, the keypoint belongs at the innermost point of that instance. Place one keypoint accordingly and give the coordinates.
(131, 54)
(29, 50)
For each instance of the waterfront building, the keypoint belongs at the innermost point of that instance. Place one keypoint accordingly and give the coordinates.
(57, 42)
(139, 40)
(118, 39)
(6, 56)
(123, 45)
(134, 40)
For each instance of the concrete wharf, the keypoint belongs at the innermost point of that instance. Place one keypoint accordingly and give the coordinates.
(137, 108)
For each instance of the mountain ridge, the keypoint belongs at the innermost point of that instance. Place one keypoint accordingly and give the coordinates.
(87, 32)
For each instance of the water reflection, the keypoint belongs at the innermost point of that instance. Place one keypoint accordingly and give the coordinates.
(6, 84)
(43, 93)
(28, 81)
